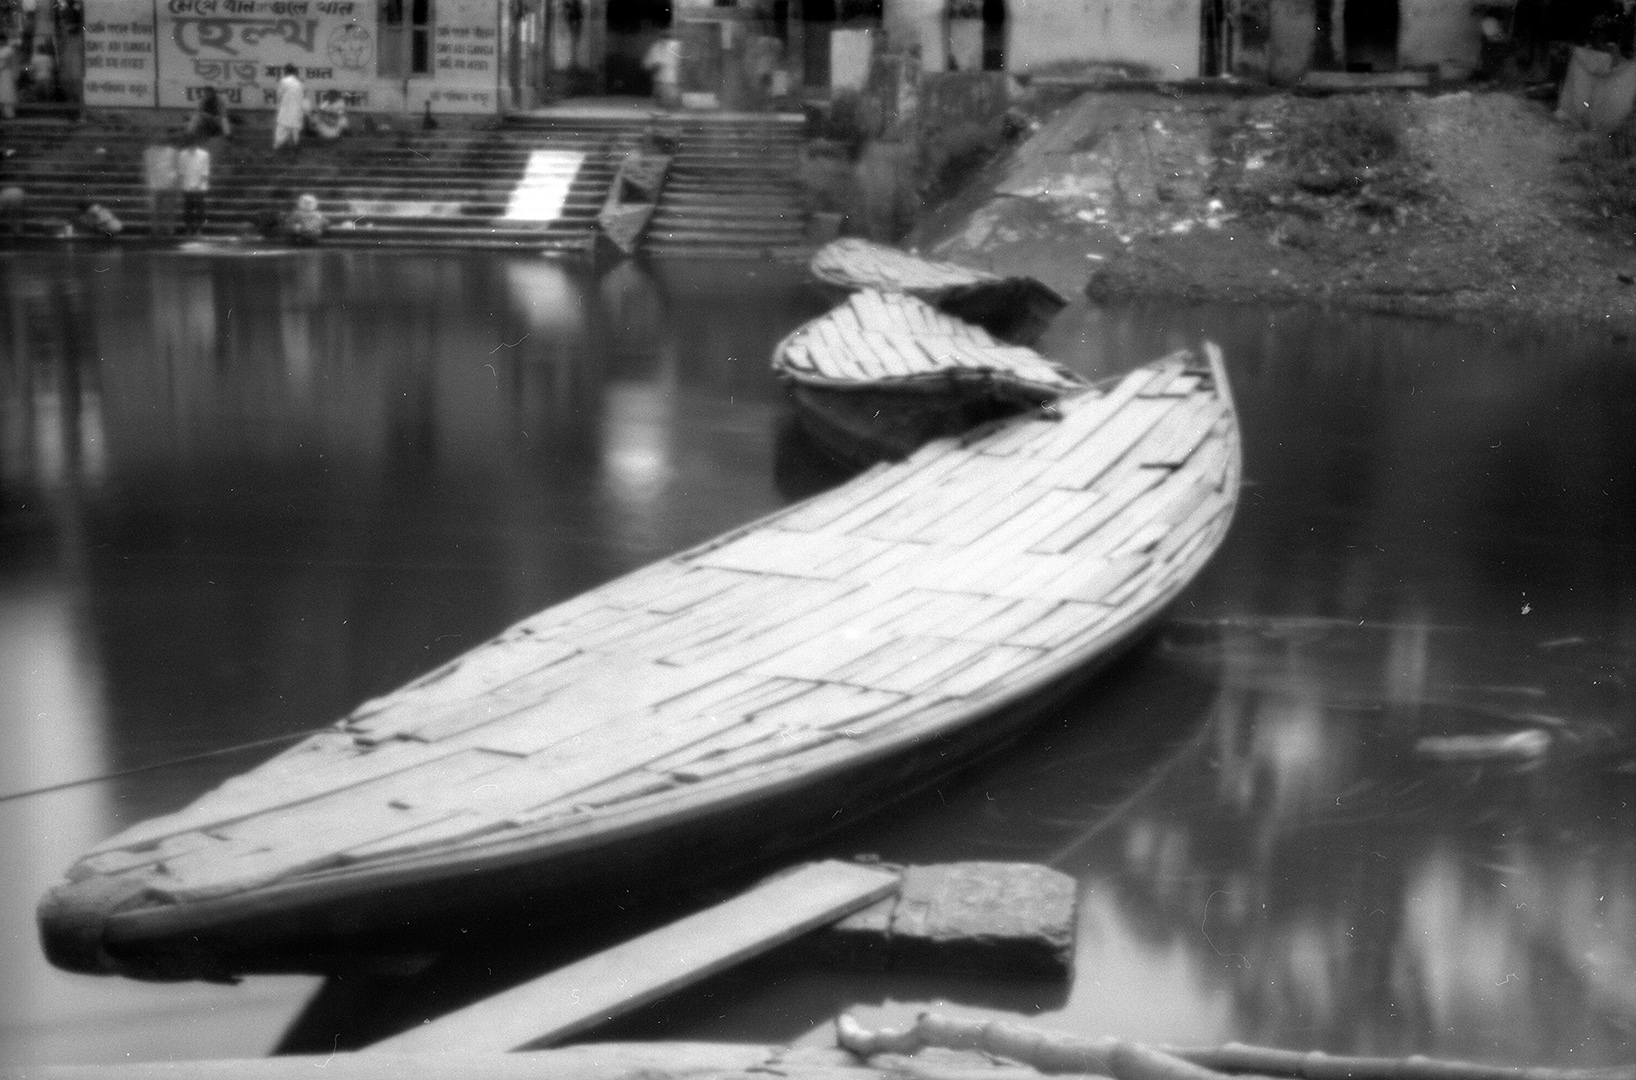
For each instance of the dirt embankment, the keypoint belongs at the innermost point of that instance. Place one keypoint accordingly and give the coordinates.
(1459, 204)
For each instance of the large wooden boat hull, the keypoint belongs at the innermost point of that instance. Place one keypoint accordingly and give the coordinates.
(885, 373)
(711, 712)
(1015, 309)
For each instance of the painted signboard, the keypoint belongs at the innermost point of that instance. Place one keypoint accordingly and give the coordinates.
(240, 47)
(166, 52)
(466, 57)
(119, 58)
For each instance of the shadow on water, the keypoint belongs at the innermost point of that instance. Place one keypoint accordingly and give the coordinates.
(237, 496)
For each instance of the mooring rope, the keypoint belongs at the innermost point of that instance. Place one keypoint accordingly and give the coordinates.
(157, 765)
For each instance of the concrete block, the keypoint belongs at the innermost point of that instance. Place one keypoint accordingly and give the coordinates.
(983, 918)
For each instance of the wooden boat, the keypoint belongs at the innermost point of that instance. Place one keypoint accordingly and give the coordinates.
(633, 197)
(1013, 309)
(885, 373)
(717, 709)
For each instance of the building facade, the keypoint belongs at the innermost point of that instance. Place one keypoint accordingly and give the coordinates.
(488, 56)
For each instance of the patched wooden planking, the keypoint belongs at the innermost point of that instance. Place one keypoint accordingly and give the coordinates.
(996, 919)
(587, 993)
(886, 341)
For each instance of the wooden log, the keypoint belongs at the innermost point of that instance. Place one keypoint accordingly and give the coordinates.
(590, 1061)
(618, 980)
(1057, 1052)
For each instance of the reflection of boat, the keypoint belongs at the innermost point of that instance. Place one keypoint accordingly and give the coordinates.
(227, 246)
(633, 196)
(715, 709)
(884, 373)
(1014, 309)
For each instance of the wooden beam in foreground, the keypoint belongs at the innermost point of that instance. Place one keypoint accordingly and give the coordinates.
(592, 1061)
(644, 969)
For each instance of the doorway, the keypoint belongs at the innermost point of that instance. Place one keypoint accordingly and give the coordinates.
(1371, 28)
(633, 27)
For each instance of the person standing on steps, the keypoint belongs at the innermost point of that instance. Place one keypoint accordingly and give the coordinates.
(164, 178)
(193, 165)
(9, 67)
(664, 63)
(292, 110)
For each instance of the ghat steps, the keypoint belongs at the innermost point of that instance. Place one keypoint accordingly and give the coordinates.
(534, 183)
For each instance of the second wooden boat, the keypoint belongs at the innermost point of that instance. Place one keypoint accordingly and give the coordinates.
(716, 709)
(885, 373)
(1015, 309)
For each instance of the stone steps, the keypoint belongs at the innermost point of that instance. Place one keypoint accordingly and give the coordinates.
(732, 187)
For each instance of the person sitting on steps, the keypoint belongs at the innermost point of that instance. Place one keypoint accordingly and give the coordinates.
(209, 118)
(329, 120)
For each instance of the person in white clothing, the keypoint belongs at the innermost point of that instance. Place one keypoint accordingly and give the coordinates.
(162, 172)
(193, 165)
(292, 110)
(664, 62)
(9, 67)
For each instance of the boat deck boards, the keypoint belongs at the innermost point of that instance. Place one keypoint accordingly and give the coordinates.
(855, 263)
(861, 620)
(894, 339)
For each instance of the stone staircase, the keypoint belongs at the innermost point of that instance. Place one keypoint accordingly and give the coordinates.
(534, 182)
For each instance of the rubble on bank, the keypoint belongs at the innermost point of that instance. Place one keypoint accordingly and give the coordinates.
(1467, 204)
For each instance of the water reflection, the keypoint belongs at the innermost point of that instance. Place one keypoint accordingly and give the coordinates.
(240, 495)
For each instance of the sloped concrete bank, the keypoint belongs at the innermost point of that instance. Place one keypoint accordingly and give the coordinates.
(1465, 205)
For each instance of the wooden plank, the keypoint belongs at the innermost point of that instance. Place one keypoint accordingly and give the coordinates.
(691, 587)
(1070, 619)
(599, 1061)
(366, 811)
(814, 599)
(817, 658)
(1084, 526)
(618, 980)
(1160, 510)
(1095, 580)
(995, 663)
(906, 664)
(775, 746)
(1083, 417)
(961, 529)
(924, 675)
(828, 705)
(1105, 448)
(1175, 437)
(758, 638)
(822, 509)
(797, 355)
(868, 359)
(772, 551)
(1015, 615)
(311, 769)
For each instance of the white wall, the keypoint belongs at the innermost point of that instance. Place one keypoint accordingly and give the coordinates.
(1441, 33)
(1160, 35)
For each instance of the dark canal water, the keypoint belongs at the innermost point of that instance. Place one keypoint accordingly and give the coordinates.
(239, 495)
